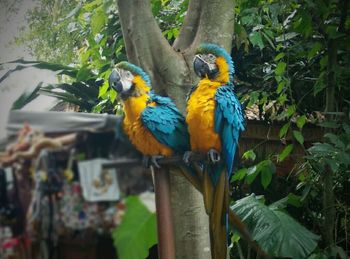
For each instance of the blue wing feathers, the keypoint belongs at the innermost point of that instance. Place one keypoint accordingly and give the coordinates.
(229, 122)
(166, 123)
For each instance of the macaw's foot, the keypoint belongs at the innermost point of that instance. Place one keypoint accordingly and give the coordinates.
(214, 156)
(186, 157)
(148, 161)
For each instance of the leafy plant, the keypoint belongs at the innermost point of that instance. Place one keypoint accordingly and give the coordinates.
(275, 231)
(137, 232)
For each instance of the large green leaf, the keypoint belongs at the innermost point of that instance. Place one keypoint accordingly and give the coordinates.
(256, 39)
(98, 20)
(137, 232)
(275, 231)
(22, 64)
(25, 98)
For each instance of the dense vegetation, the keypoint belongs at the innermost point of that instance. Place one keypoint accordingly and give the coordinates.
(292, 66)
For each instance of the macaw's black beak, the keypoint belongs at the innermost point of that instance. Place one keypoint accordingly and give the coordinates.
(200, 67)
(114, 81)
(203, 68)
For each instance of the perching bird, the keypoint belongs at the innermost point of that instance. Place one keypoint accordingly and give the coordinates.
(215, 120)
(152, 122)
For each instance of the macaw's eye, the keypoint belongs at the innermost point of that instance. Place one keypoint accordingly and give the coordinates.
(211, 57)
(128, 74)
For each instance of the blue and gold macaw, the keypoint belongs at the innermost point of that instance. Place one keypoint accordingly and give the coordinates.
(153, 123)
(215, 120)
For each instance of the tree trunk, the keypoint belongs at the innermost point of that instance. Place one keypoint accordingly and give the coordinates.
(170, 68)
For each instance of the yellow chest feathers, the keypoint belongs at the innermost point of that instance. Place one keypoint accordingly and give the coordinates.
(140, 136)
(201, 115)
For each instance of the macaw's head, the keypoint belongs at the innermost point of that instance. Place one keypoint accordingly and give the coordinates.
(129, 80)
(214, 63)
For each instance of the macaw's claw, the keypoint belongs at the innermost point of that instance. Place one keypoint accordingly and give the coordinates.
(186, 157)
(214, 156)
(148, 161)
(155, 162)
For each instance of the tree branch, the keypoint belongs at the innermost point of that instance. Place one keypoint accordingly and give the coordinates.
(190, 26)
(216, 23)
(146, 46)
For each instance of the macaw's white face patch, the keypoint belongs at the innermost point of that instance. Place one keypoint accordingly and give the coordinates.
(126, 78)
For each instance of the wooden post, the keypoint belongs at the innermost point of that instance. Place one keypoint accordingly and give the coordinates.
(166, 244)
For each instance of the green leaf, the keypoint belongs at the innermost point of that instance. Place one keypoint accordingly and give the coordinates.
(256, 39)
(333, 32)
(235, 238)
(25, 98)
(291, 110)
(329, 124)
(320, 83)
(83, 74)
(324, 63)
(332, 164)
(301, 121)
(266, 177)
(103, 89)
(284, 130)
(280, 87)
(266, 168)
(249, 155)
(319, 255)
(346, 127)
(282, 99)
(112, 95)
(60, 69)
(251, 174)
(314, 50)
(92, 5)
(298, 136)
(286, 151)
(294, 200)
(239, 175)
(335, 140)
(137, 231)
(322, 149)
(290, 199)
(279, 56)
(280, 68)
(304, 24)
(98, 20)
(156, 6)
(276, 232)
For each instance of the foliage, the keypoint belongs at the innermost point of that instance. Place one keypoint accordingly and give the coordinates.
(87, 36)
(288, 55)
(272, 227)
(137, 232)
(82, 90)
(332, 154)
(282, 54)
(52, 35)
(26, 97)
(335, 151)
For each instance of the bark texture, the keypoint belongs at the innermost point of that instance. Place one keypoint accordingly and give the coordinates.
(170, 68)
